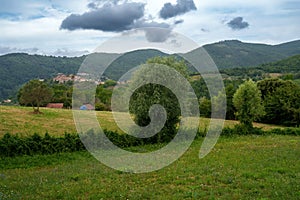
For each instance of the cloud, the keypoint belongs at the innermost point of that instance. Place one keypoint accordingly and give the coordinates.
(7, 50)
(154, 31)
(94, 4)
(69, 53)
(59, 52)
(111, 18)
(157, 34)
(238, 24)
(179, 21)
(182, 6)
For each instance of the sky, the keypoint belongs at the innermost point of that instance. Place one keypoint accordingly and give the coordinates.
(74, 28)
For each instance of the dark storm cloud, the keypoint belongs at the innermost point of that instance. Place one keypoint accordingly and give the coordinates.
(238, 23)
(115, 17)
(112, 18)
(182, 6)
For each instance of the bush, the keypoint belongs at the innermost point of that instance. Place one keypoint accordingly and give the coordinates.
(13, 145)
(286, 131)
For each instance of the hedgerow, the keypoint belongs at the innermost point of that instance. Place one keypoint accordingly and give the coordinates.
(14, 145)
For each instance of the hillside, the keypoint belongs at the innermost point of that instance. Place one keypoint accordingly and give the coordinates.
(130, 60)
(289, 65)
(18, 68)
(234, 53)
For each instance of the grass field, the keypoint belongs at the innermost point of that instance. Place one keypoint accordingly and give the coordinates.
(243, 167)
(239, 167)
(57, 121)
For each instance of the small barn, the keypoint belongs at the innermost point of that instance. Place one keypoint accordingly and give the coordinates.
(55, 105)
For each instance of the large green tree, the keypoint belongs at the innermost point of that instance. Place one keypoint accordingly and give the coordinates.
(150, 94)
(248, 103)
(35, 93)
(281, 99)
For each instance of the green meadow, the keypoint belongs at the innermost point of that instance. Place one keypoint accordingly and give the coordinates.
(239, 167)
(21, 120)
(243, 167)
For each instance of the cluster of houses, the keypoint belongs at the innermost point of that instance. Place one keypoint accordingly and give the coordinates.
(80, 77)
(6, 101)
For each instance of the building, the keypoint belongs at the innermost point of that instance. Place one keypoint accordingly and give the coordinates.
(55, 105)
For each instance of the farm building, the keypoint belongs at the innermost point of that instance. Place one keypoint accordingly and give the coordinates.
(55, 105)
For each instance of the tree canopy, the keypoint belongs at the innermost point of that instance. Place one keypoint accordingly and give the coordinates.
(281, 99)
(35, 93)
(248, 103)
(150, 94)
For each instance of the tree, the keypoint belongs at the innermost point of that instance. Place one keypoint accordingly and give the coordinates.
(230, 90)
(149, 94)
(219, 104)
(35, 93)
(248, 103)
(281, 99)
(205, 107)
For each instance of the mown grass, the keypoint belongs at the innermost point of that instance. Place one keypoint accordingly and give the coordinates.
(241, 167)
(58, 121)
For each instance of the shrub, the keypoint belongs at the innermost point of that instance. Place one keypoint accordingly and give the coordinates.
(14, 145)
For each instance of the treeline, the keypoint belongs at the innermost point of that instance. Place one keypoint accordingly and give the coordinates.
(280, 99)
(61, 93)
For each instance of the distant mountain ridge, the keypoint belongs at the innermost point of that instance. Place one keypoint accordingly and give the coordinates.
(234, 53)
(18, 68)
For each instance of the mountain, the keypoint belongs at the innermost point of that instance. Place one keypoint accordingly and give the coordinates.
(18, 68)
(234, 53)
(130, 60)
(290, 65)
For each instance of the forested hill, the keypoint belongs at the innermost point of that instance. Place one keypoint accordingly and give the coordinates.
(289, 65)
(130, 60)
(18, 68)
(234, 53)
